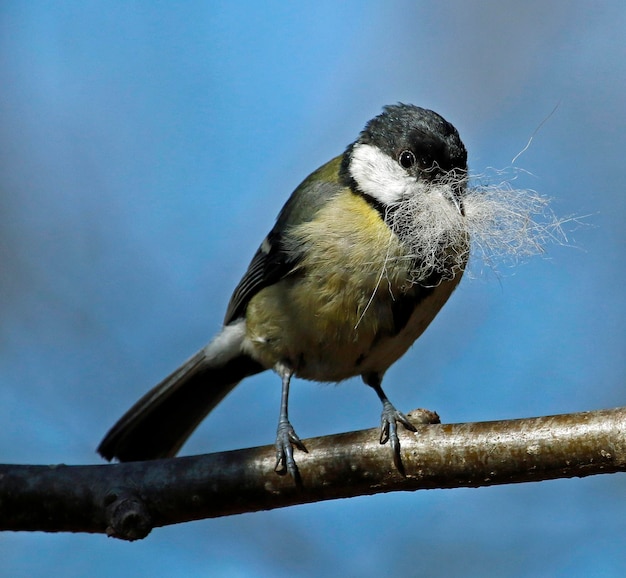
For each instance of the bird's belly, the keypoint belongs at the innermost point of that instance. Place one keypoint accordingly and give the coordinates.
(333, 336)
(323, 334)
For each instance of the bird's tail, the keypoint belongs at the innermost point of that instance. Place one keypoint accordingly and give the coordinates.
(162, 420)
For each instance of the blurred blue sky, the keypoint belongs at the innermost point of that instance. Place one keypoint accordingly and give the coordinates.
(145, 149)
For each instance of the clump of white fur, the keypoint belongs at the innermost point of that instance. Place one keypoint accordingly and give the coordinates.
(507, 224)
(434, 231)
(499, 223)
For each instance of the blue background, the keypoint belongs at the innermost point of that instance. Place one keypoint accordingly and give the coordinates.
(145, 149)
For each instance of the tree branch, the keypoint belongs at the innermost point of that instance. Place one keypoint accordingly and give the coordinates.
(128, 500)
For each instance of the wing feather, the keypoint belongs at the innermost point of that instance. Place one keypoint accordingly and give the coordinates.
(273, 261)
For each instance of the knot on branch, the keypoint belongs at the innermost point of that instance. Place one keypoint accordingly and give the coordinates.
(127, 515)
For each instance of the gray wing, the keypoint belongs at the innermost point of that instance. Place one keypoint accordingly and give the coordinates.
(272, 262)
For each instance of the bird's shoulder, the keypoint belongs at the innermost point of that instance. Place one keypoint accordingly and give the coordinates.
(273, 260)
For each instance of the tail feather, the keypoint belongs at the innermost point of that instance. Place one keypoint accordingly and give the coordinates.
(162, 420)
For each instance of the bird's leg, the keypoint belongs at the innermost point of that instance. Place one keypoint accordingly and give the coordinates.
(389, 419)
(286, 436)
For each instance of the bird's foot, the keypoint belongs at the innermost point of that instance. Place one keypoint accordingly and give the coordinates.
(286, 439)
(389, 420)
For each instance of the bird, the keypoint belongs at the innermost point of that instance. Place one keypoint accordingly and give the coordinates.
(361, 258)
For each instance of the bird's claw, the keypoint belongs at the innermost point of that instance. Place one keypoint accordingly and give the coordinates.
(286, 439)
(388, 423)
(389, 431)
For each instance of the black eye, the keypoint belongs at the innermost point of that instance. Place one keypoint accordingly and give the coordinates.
(406, 159)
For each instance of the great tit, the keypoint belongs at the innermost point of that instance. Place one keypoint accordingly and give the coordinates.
(358, 264)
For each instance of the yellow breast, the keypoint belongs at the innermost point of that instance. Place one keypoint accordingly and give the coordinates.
(325, 317)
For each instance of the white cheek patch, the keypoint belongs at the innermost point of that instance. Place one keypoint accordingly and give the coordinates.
(380, 176)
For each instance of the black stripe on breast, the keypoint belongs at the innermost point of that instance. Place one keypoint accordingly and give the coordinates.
(403, 306)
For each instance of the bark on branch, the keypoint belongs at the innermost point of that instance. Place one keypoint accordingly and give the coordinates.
(128, 500)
